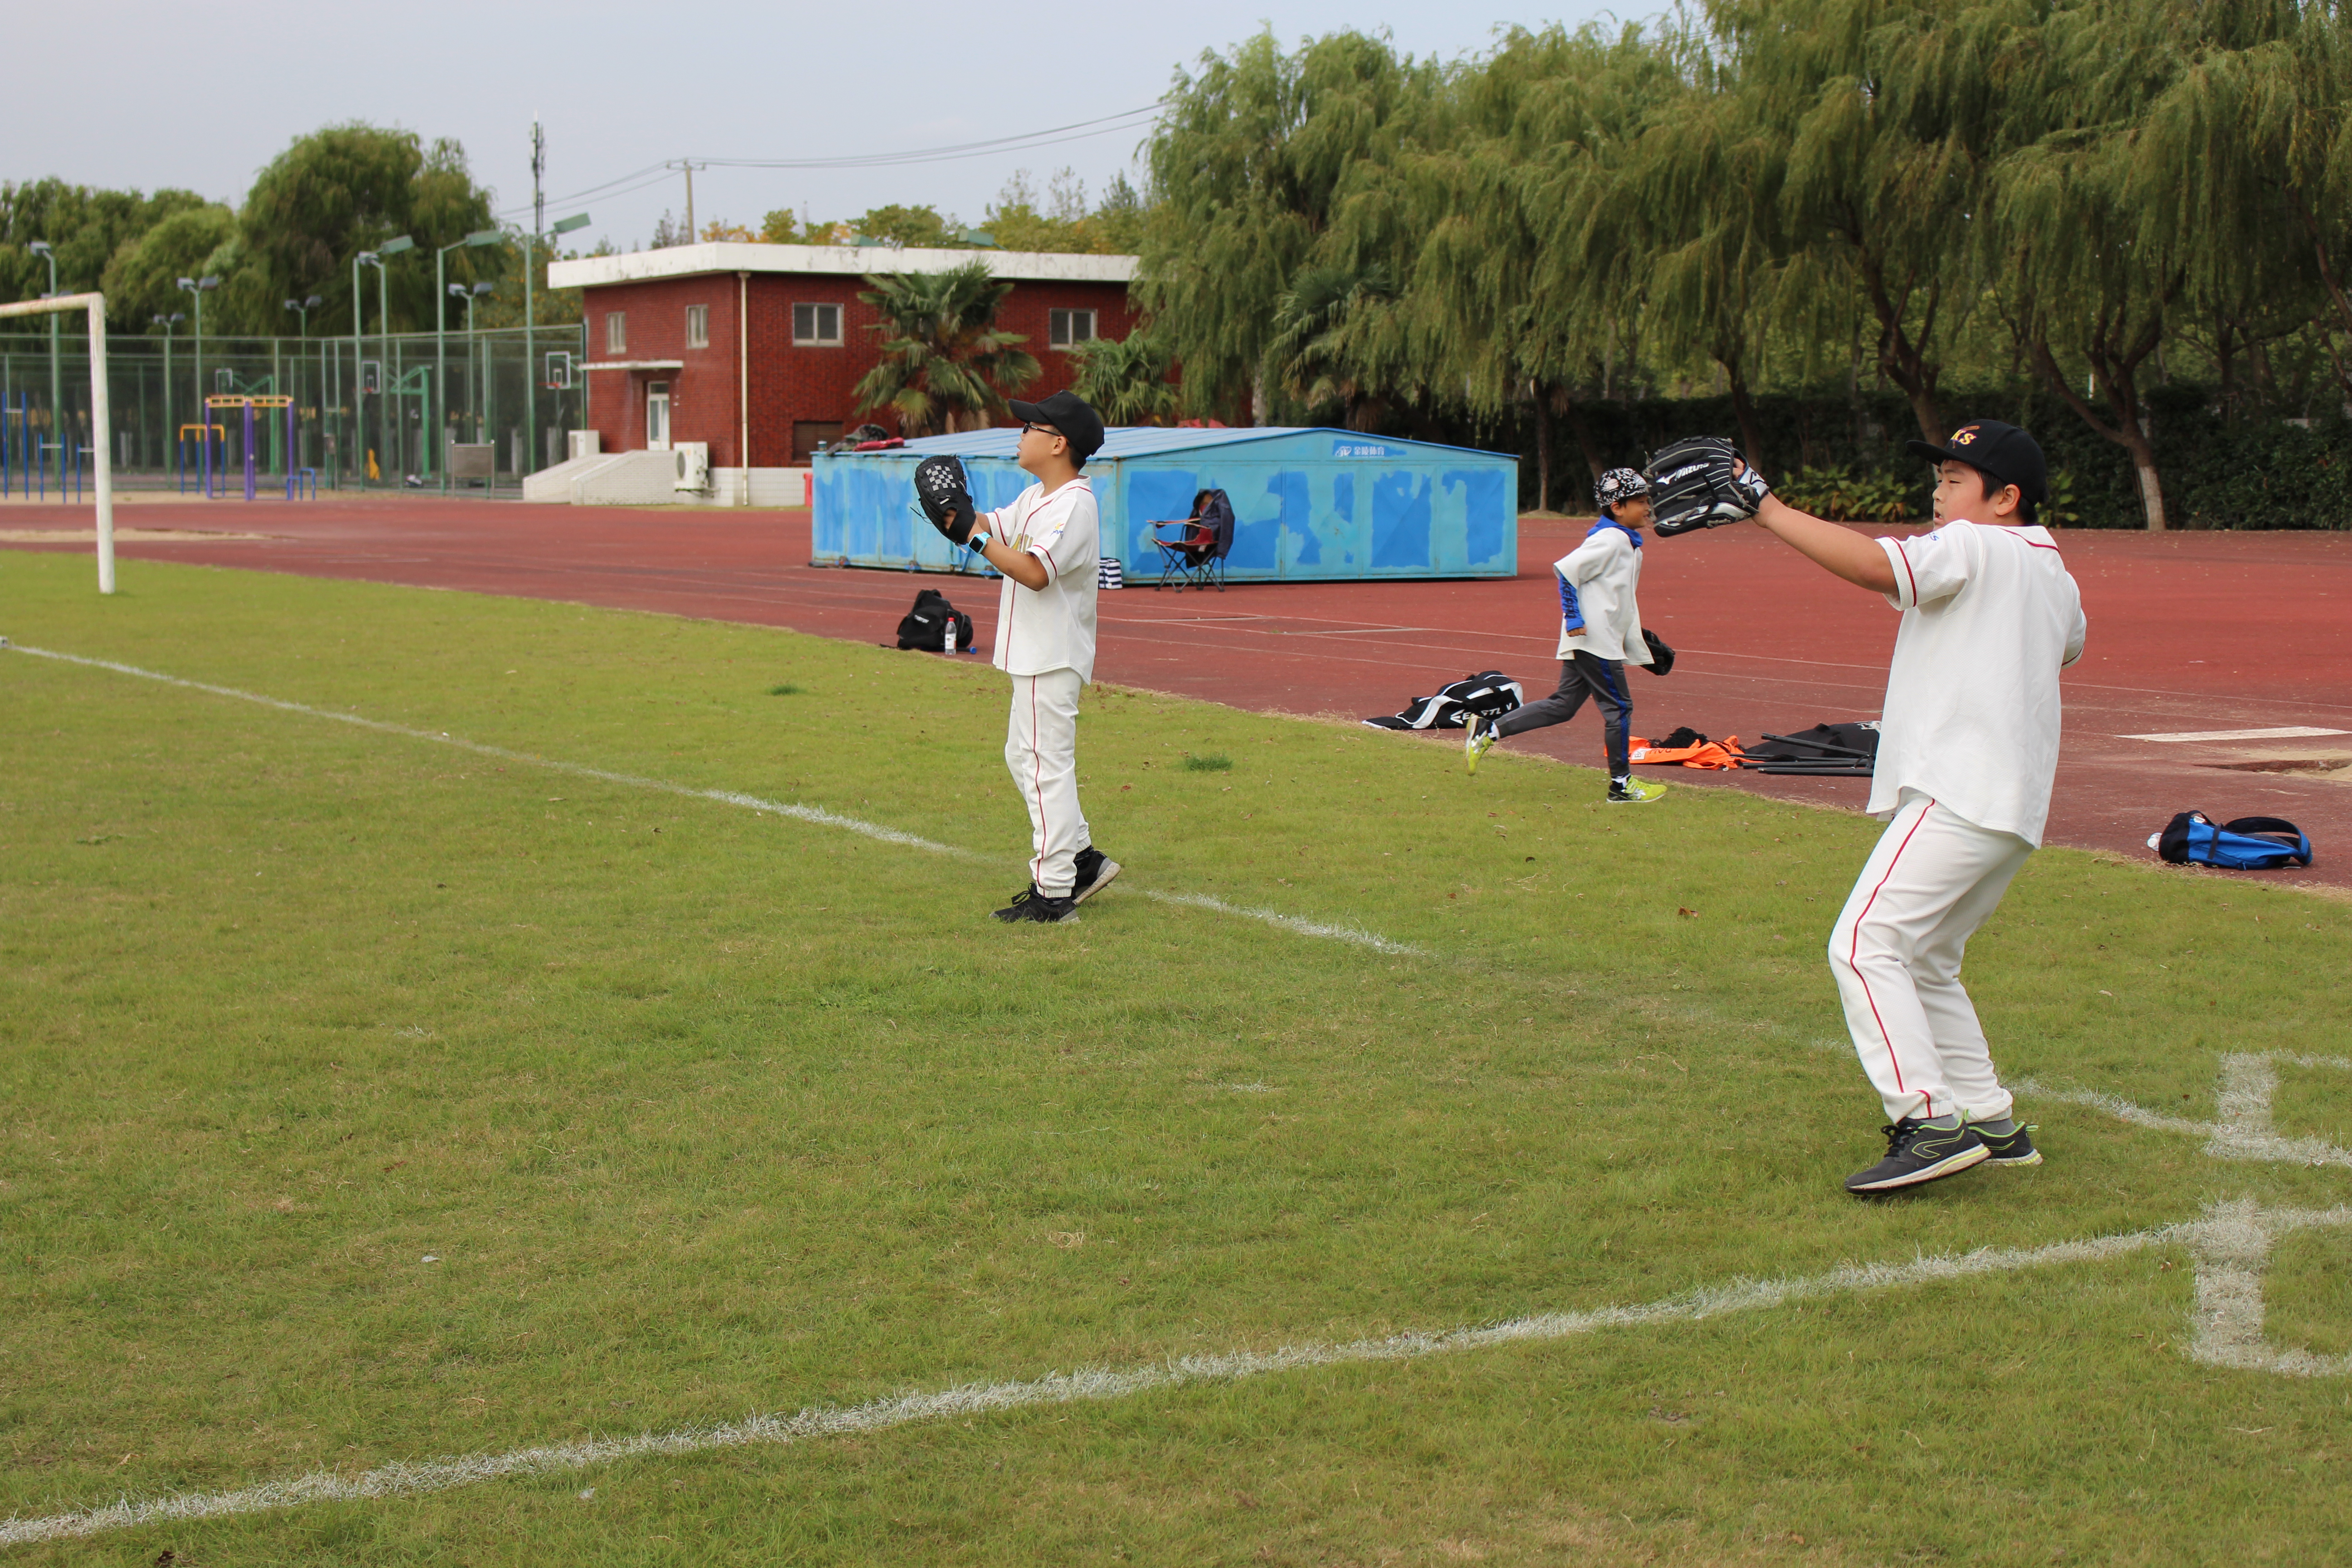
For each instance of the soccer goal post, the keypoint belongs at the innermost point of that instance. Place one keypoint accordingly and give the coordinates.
(100, 423)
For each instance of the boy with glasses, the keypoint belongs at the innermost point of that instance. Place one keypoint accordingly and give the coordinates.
(1047, 544)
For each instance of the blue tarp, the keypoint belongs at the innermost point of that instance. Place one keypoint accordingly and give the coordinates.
(1310, 505)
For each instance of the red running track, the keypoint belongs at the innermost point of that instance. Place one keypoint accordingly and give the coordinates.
(2188, 632)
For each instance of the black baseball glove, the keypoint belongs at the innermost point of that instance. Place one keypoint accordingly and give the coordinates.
(1662, 657)
(945, 497)
(1701, 482)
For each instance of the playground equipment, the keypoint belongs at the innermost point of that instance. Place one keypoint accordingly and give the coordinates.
(212, 437)
(249, 402)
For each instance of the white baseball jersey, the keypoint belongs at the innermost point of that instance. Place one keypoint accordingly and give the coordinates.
(1052, 628)
(1990, 617)
(1597, 612)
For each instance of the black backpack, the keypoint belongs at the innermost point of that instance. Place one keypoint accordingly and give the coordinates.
(1489, 693)
(926, 625)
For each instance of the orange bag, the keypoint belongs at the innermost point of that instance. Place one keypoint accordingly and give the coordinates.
(1717, 755)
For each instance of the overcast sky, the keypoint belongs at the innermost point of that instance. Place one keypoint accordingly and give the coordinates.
(203, 98)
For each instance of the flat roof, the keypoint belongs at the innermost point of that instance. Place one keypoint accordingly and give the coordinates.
(834, 260)
(1150, 440)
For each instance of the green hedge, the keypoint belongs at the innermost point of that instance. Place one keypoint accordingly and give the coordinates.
(2246, 474)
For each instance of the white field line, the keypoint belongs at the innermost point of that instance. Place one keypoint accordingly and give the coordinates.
(1355, 934)
(2285, 732)
(2243, 1130)
(809, 813)
(1090, 1384)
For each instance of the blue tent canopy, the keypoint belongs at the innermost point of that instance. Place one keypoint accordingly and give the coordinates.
(1310, 504)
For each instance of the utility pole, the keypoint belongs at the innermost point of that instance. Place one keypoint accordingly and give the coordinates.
(688, 164)
(538, 173)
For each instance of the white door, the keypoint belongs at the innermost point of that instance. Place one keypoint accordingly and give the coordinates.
(657, 417)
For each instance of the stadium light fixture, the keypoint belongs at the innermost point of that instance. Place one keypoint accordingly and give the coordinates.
(566, 224)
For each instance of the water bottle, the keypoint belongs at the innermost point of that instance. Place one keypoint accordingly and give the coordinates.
(948, 637)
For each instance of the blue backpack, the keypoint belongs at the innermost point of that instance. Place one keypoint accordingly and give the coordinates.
(2249, 843)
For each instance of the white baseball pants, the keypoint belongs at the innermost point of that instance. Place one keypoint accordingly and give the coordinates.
(1895, 950)
(1041, 749)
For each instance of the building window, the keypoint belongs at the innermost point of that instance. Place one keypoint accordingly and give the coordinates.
(697, 326)
(1066, 328)
(816, 326)
(617, 332)
(807, 433)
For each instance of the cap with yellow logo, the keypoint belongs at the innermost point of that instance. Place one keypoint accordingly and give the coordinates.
(2004, 452)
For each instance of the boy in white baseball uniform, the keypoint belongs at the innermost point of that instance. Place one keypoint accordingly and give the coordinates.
(1968, 749)
(1045, 544)
(1600, 634)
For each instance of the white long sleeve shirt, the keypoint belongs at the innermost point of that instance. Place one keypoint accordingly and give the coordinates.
(1598, 614)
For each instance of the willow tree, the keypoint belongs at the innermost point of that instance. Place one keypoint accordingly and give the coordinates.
(2247, 152)
(1514, 295)
(945, 365)
(1887, 112)
(1701, 198)
(1247, 163)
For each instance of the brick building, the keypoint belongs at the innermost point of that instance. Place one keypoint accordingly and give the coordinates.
(754, 349)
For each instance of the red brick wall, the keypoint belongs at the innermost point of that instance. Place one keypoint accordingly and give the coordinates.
(787, 383)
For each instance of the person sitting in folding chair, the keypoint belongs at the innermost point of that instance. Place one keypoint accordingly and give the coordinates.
(1196, 554)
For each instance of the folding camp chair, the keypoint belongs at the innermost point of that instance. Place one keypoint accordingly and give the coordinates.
(1196, 553)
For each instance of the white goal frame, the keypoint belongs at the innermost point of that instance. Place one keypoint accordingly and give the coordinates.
(101, 431)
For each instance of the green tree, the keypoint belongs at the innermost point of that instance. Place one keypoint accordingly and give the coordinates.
(1887, 113)
(143, 281)
(1335, 341)
(2087, 285)
(1701, 202)
(1247, 167)
(1126, 380)
(2247, 153)
(920, 226)
(87, 228)
(945, 365)
(1518, 293)
(348, 188)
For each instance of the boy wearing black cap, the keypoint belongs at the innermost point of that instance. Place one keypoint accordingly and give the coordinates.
(1045, 544)
(1968, 749)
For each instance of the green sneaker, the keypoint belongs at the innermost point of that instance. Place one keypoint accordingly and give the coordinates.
(1634, 792)
(1477, 739)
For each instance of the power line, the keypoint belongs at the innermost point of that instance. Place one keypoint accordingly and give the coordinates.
(1053, 136)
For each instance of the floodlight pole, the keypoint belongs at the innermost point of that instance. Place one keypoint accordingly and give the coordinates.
(392, 247)
(440, 336)
(42, 248)
(166, 322)
(359, 376)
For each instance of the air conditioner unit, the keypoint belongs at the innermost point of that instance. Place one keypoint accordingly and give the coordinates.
(583, 442)
(693, 465)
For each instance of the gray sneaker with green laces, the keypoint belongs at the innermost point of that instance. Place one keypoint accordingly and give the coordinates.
(2014, 1147)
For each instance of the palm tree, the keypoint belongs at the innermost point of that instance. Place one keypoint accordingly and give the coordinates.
(944, 364)
(1125, 380)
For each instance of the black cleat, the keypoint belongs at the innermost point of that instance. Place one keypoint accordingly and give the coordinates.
(2011, 1148)
(1916, 1153)
(1030, 904)
(1095, 871)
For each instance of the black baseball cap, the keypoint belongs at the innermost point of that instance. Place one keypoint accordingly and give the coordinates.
(2004, 451)
(1080, 425)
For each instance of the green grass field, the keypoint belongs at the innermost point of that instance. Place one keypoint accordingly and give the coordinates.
(700, 1111)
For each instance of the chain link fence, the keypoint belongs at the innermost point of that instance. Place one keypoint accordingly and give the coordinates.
(403, 410)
